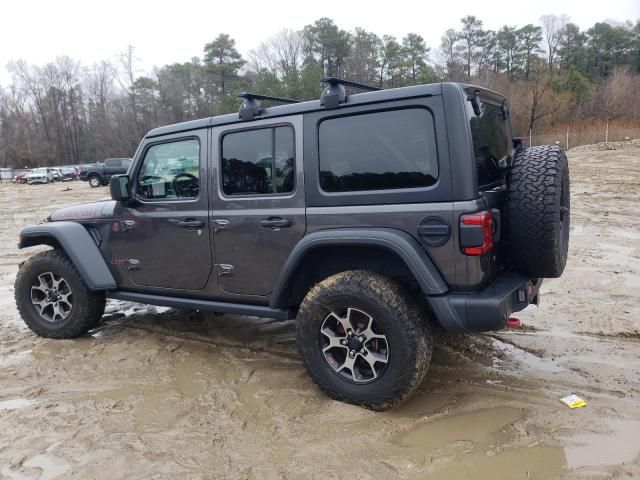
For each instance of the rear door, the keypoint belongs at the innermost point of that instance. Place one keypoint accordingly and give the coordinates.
(258, 213)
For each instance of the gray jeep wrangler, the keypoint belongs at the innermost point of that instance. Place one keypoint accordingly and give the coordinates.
(370, 218)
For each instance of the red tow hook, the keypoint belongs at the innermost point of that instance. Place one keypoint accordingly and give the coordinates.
(513, 322)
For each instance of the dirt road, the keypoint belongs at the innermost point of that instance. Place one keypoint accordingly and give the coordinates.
(158, 393)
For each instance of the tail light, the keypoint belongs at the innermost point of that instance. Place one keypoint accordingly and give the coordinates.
(476, 233)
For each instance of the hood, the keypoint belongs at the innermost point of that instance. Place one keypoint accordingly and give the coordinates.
(102, 209)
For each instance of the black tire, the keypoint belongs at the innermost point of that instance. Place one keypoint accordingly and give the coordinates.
(86, 307)
(396, 315)
(539, 211)
(95, 181)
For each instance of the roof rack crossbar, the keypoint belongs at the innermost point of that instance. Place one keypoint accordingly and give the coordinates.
(348, 83)
(250, 108)
(335, 94)
(246, 95)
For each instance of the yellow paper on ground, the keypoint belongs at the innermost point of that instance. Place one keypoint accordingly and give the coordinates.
(573, 401)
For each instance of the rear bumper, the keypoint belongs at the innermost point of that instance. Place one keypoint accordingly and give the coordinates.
(486, 310)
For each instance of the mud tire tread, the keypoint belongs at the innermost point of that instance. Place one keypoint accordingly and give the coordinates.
(533, 218)
(88, 306)
(415, 347)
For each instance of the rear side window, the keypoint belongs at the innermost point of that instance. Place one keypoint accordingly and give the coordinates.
(258, 162)
(491, 143)
(378, 151)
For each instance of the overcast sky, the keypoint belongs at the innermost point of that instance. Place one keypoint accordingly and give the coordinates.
(174, 31)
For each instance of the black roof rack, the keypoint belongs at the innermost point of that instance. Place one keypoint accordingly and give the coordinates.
(250, 108)
(334, 94)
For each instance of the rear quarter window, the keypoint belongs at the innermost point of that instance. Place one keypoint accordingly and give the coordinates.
(492, 143)
(378, 151)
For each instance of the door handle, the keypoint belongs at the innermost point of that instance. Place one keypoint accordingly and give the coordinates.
(275, 222)
(220, 224)
(191, 224)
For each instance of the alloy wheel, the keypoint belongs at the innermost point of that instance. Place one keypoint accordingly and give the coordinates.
(353, 346)
(52, 297)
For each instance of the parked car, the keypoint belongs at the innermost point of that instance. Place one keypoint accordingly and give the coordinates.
(20, 177)
(98, 174)
(369, 218)
(55, 172)
(68, 173)
(40, 175)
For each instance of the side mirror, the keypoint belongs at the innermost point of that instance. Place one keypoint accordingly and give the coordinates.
(119, 187)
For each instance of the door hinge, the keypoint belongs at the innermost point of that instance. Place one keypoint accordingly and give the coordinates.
(224, 269)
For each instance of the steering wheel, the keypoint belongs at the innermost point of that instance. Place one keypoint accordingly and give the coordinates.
(146, 184)
(186, 185)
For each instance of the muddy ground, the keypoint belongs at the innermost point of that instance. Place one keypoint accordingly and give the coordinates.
(158, 393)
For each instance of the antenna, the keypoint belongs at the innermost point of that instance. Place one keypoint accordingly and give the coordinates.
(250, 108)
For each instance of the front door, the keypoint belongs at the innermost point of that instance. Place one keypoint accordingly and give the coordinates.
(258, 212)
(163, 237)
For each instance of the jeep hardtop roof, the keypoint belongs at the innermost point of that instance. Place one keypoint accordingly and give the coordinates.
(361, 98)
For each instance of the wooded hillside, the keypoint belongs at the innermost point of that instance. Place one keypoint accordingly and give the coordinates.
(554, 73)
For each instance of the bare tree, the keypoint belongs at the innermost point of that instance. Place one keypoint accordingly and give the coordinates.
(280, 54)
(553, 29)
(449, 59)
(612, 98)
(539, 88)
(126, 77)
(28, 80)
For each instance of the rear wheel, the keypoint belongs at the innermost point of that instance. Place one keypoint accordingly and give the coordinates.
(53, 299)
(363, 340)
(94, 181)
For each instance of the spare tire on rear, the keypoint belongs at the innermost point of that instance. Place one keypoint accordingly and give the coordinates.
(538, 211)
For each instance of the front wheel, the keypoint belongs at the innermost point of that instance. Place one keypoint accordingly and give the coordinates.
(363, 340)
(53, 299)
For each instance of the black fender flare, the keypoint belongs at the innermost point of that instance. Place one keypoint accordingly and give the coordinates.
(78, 244)
(397, 242)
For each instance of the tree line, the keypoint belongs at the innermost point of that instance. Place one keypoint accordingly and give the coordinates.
(553, 73)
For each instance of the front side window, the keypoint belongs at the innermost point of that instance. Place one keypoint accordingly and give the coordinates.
(378, 151)
(491, 143)
(170, 171)
(258, 162)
